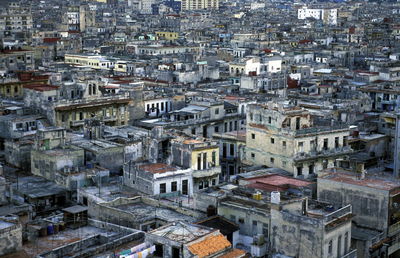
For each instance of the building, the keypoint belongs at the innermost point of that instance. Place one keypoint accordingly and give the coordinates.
(374, 200)
(10, 236)
(180, 239)
(158, 179)
(286, 137)
(231, 152)
(328, 16)
(188, 5)
(201, 156)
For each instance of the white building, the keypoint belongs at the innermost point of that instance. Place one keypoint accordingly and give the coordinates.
(158, 178)
(328, 16)
(157, 107)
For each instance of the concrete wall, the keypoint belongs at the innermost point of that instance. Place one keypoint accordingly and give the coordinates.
(18, 153)
(296, 236)
(370, 205)
(10, 239)
(46, 163)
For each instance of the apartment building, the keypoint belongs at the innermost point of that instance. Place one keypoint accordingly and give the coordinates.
(285, 136)
(188, 5)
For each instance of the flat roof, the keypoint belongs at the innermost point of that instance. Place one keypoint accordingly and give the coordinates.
(157, 168)
(181, 232)
(347, 177)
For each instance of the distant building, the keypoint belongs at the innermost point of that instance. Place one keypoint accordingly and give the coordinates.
(199, 4)
(328, 16)
(286, 137)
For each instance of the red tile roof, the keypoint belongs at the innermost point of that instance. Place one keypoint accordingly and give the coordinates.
(41, 87)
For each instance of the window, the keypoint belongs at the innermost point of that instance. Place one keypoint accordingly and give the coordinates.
(336, 142)
(206, 184)
(301, 144)
(162, 106)
(217, 111)
(299, 171)
(297, 123)
(345, 140)
(326, 141)
(272, 140)
(284, 144)
(339, 246)
(213, 182)
(174, 186)
(201, 185)
(241, 220)
(284, 163)
(253, 155)
(216, 129)
(199, 161)
(214, 158)
(330, 247)
(253, 136)
(265, 230)
(272, 160)
(232, 149)
(269, 119)
(325, 164)
(163, 188)
(224, 150)
(255, 231)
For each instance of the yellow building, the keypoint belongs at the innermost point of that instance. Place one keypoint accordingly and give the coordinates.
(285, 137)
(202, 156)
(168, 35)
(93, 61)
(14, 88)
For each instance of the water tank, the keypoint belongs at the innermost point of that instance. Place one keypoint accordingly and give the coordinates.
(275, 197)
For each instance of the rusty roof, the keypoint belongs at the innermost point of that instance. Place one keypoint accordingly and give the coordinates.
(157, 168)
(380, 183)
(278, 181)
(41, 87)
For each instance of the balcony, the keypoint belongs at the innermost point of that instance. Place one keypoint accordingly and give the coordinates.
(394, 229)
(346, 210)
(301, 156)
(109, 118)
(77, 123)
(214, 171)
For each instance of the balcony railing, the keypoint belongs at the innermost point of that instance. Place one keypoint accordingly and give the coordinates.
(393, 229)
(351, 254)
(338, 214)
(206, 172)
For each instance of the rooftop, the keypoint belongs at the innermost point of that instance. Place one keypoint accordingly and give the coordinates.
(347, 177)
(210, 245)
(157, 168)
(181, 232)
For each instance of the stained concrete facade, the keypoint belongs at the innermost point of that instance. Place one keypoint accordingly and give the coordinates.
(158, 179)
(201, 156)
(10, 237)
(374, 201)
(284, 136)
(307, 234)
